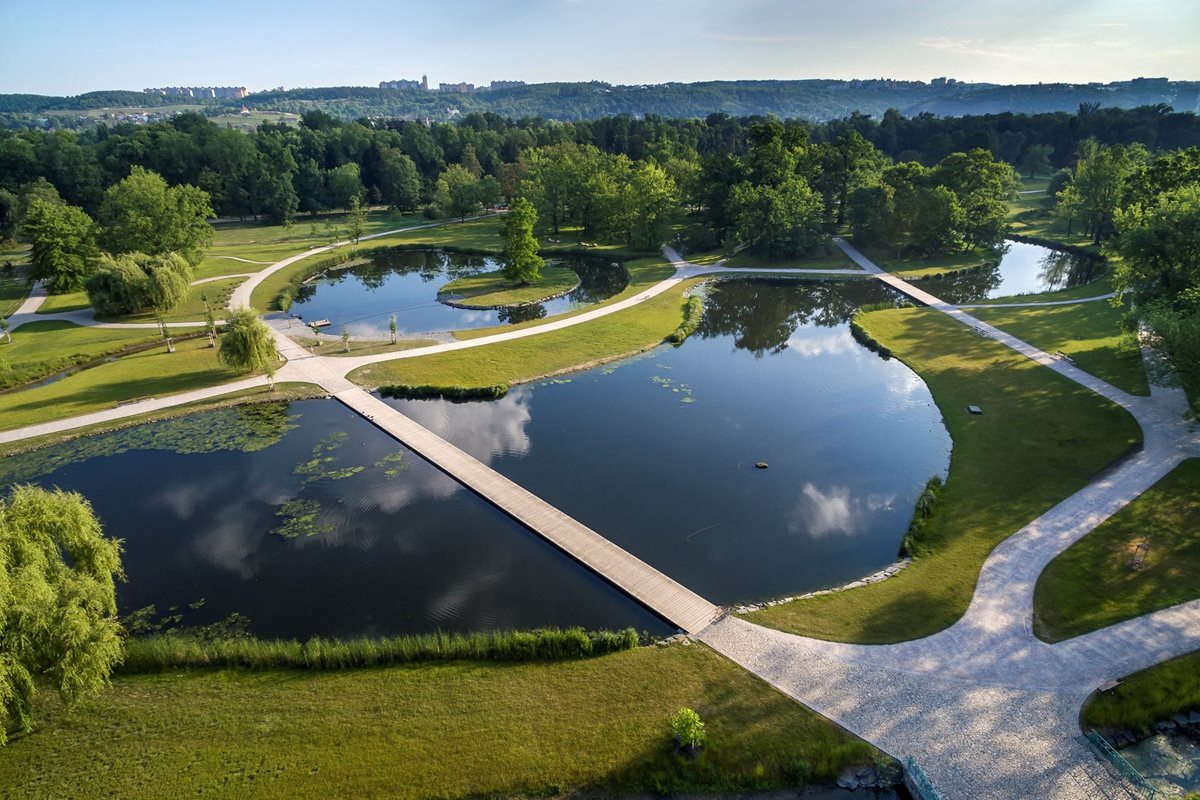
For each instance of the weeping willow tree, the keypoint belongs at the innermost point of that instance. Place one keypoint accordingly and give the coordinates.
(247, 345)
(58, 607)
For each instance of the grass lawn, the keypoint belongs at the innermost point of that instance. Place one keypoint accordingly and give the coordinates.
(1093, 584)
(283, 391)
(622, 333)
(823, 258)
(13, 288)
(150, 373)
(1100, 286)
(40, 349)
(331, 345)
(1148, 696)
(1040, 439)
(59, 303)
(492, 289)
(462, 729)
(1030, 216)
(926, 266)
(1090, 333)
(270, 243)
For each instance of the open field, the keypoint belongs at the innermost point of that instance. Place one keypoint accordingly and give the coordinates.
(450, 730)
(1090, 333)
(1040, 439)
(40, 349)
(150, 373)
(1093, 584)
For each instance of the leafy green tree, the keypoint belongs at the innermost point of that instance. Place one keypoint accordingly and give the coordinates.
(872, 212)
(1036, 160)
(133, 282)
(1098, 182)
(848, 162)
(63, 245)
(399, 181)
(688, 729)
(58, 606)
(142, 214)
(937, 221)
(779, 221)
(522, 264)
(356, 220)
(343, 186)
(458, 193)
(9, 208)
(1159, 246)
(392, 327)
(247, 345)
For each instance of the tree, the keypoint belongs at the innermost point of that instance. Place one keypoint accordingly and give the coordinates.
(141, 214)
(345, 339)
(343, 186)
(399, 181)
(937, 221)
(779, 221)
(356, 220)
(1036, 160)
(63, 240)
(1159, 245)
(58, 605)
(688, 729)
(134, 282)
(1098, 181)
(392, 327)
(4, 329)
(247, 345)
(522, 264)
(872, 211)
(458, 193)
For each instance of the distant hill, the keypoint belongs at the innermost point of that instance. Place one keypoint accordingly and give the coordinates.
(808, 99)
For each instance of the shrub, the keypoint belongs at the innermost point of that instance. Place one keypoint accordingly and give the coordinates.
(452, 393)
(926, 504)
(688, 729)
(134, 282)
(691, 320)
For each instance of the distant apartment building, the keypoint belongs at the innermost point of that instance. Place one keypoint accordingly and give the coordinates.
(459, 88)
(496, 85)
(401, 84)
(223, 92)
(943, 82)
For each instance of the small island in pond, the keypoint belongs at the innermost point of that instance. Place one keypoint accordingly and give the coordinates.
(493, 290)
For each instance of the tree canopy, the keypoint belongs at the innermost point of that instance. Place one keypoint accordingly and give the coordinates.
(63, 245)
(57, 601)
(522, 264)
(247, 344)
(133, 282)
(142, 214)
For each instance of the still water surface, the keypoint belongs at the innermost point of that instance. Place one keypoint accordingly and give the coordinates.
(1023, 269)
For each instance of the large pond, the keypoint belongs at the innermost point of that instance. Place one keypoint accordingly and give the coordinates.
(307, 520)
(1023, 269)
(658, 452)
(405, 283)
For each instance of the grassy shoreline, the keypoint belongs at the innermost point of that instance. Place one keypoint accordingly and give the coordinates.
(493, 290)
(1041, 438)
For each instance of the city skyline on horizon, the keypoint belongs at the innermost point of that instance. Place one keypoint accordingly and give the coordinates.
(120, 46)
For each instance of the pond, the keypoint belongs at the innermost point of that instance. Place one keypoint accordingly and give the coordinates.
(1023, 269)
(307, 520)
(658, 452)
(406, 282)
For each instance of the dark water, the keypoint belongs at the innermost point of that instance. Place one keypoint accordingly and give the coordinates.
(1024, 269)
(396, 546)
(406, 282)
(658, 453)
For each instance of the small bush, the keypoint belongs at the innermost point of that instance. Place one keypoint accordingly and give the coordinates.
(692, 314)
(688, 729)
(452, 393)
(926, 504)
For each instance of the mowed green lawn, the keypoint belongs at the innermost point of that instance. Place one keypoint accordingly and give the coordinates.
(40, 349)
(489, 289)
(1149, 696)
(150, 373)
(192, 308)
(1090, 333)
(463, 729)
(1040, 439)
(1093, 583)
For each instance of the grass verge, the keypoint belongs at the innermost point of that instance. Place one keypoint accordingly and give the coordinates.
(493, 290)
(150, 373)
(1100, 286)
(1040, 439)
(1090, 333)
(41, 349)
(912, 267)
(1148, 696)
(621, 333)
(446, 730)
(1094, 583)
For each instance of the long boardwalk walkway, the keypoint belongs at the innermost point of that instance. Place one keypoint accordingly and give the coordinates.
(666, 597)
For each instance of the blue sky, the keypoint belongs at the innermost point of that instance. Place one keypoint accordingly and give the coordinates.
(73, 46)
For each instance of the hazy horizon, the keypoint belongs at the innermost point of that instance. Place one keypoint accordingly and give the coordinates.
(73, 47)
